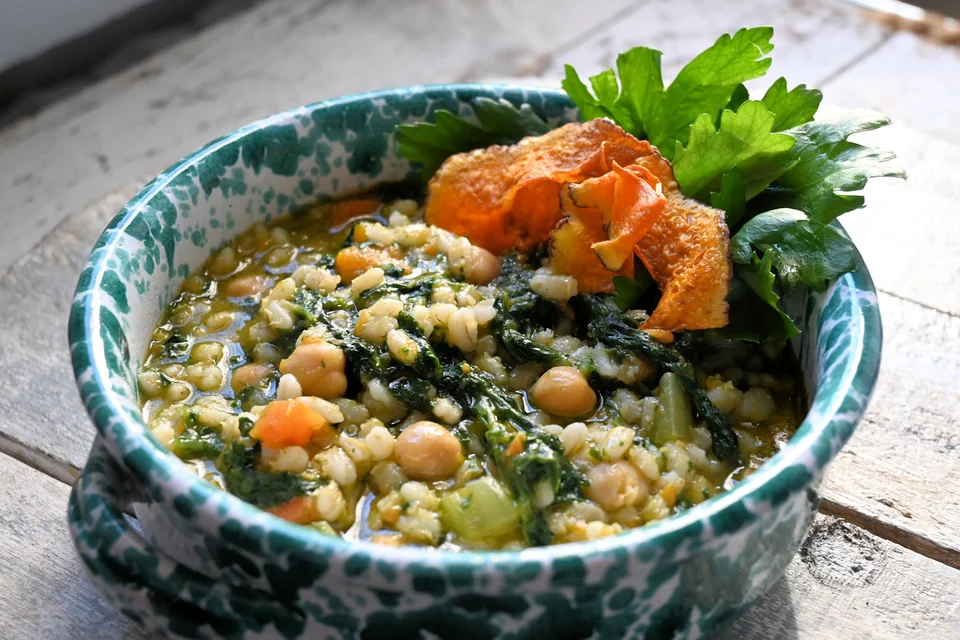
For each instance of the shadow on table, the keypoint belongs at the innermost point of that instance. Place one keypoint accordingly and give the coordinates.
(770, 618)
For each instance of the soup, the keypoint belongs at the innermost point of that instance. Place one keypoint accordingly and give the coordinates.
(353, 369)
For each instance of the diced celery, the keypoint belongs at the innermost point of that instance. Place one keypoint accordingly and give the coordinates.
(674, 417)
(481, 509)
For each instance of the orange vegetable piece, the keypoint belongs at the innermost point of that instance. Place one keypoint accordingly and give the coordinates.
(505, 198)
(571, 253)
(516, 445)
(285, 423)
(345, 211)
(353, 261)
(299, 510)
(629, 201)
(687, 251)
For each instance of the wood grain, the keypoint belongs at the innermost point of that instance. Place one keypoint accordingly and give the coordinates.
(911, 80)
(813, 39)
(43, 590)
(900, 473)
(847, 583)
(908, 232)
(279, 55)
(48, 430)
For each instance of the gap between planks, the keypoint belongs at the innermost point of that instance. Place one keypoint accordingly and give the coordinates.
(889, 531)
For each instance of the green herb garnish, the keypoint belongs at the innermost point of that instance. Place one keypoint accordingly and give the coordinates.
(780, 175)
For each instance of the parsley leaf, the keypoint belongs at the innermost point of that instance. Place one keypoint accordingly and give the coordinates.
(732, 197)
(430, 143)
(812, 253)
(827, 167)
(707, 83)
(759, 277)
(744, 139)
(762, 230)
(628, 291)
(792, 108)
(755, 313)
(710, 82)
(740, 95)
(590, 107)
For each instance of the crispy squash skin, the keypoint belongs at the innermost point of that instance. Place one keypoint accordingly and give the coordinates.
(504, 198)
(597, 194)
(629, 201)
(570, 253)
(688, 254)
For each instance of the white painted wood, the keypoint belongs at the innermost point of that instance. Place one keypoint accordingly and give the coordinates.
(279, 55)
(902, 466)
(43, 590)
(909, 231)
(41, 419)
(29, 28)
(911, 80)
(813, 39)
(846, 583)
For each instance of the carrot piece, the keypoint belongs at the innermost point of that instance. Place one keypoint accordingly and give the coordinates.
(285, 423)
(345, 211)
(299, 510)
(353, 261)
(516, 445)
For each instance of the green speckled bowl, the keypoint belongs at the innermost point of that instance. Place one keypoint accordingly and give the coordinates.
(205, 564)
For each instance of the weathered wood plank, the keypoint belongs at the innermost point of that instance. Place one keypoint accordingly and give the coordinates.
(813, 38)
(901, 469)
(279, 55)
(908, 232)
(49, 430)
(847, 583)
(911, 80)
(43, 590)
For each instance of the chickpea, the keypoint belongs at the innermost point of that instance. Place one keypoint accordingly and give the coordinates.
(428, 451)
(250, 375)
(318, 367)
(565, 392)
(616, 485)
(245, 286)
(484, 266)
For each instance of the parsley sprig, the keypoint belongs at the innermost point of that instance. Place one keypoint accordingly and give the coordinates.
(781, 176)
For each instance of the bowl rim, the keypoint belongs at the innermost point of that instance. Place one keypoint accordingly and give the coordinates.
(165, 475)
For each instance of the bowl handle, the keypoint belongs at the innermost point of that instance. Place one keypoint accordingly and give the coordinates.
(133, 575)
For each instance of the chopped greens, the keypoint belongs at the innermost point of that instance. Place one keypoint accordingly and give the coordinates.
(260, 488)
(618, 330)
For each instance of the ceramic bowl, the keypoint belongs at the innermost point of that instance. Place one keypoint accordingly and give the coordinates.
(202, 563)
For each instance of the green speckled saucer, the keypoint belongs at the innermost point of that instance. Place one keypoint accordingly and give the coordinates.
(208, 565)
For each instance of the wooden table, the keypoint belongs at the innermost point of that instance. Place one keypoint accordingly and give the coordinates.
(883, 560)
